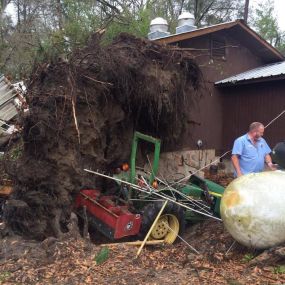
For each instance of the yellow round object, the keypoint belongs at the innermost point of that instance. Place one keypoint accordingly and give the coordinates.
(167, 228)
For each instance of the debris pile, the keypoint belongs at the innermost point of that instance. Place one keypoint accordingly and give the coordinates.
(83, 113)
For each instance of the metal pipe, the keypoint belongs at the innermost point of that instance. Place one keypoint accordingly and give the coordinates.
(176, 191)
(151, 228)
(195, 250)
(154, 192)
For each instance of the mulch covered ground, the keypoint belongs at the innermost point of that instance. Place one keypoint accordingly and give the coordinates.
(72, 261)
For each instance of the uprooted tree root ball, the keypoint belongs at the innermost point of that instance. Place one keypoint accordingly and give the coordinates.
(83, 113)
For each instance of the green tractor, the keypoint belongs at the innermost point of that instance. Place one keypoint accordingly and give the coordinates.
(140, 195)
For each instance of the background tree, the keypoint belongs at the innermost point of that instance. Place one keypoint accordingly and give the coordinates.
(245, 15)
(265, 23)
(46, 29)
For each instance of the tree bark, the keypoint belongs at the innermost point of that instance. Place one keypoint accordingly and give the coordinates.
(245, 15)
(59, 14)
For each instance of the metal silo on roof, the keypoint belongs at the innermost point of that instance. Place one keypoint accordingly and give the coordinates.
(158, 28)
(186, 23)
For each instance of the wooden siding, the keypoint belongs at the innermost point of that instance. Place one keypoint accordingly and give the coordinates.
(253, 102)
(208, 114)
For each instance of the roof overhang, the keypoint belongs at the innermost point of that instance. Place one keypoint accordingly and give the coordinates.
(270, 72)
(251, 81)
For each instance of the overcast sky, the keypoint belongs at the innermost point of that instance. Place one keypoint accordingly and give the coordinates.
(279, 10)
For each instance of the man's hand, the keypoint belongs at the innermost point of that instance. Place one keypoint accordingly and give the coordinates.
(239, 174)
(269, 162)
(235, 161)
(272, 166)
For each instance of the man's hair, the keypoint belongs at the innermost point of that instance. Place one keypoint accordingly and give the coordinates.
(255, 125)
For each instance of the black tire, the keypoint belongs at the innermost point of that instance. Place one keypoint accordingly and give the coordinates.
(150, 212)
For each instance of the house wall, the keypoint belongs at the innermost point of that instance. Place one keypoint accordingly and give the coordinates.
(179, 164)
(207, 117)
(244, 104)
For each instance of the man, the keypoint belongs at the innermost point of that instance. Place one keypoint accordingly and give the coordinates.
(250, 151)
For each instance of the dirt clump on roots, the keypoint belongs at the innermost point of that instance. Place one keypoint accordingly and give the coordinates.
(83, 112)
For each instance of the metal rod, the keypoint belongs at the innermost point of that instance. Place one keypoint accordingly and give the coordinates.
(165, 183)
(224, 154)
(148, 186)
(187, 177)
(98, 204)
(154, 192)
(274, 119)
(230, 247)
(157, 177)
(180, 193)
(151, 228)
(195, 250)
(139, 242)
(145, 200)
(191, 200)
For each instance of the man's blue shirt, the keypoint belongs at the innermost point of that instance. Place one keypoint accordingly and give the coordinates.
(251, 156)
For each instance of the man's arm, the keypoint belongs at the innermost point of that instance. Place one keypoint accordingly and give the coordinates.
(267, 157)
(235, 161)
(268, 161)
(236, 152)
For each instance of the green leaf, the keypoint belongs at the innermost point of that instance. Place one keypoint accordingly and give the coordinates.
(4, 276)
(102, 256)
(280, 269)
(247, 257)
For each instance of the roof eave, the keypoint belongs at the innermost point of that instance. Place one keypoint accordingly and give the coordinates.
(203, 31)
(195, 33)
(250, 81)
(260, 39)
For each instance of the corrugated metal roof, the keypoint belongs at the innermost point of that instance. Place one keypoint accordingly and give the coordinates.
(270, 70)
(8, 112)
(8, 93)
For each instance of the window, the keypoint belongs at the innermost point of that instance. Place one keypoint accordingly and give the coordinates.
(218, 48)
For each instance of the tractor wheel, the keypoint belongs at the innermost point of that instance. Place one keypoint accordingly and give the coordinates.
(170, 224)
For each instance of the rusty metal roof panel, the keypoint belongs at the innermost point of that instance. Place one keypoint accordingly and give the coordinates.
(267, 71)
